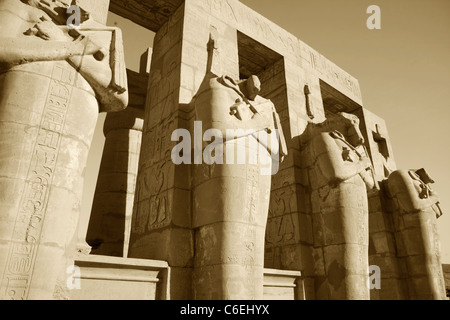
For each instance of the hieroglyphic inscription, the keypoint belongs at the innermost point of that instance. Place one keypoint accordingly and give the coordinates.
(281, 227)
(334, 74)
(152, 202)
(253, 24)
(252, 191)
(283, 42)
(158, 199)
(32, 209)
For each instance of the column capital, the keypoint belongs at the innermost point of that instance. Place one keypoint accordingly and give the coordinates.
(131, 118)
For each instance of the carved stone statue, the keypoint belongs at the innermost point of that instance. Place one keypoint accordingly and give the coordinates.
(53, 83)
(340, 175)
(231, 200)
(415, 207)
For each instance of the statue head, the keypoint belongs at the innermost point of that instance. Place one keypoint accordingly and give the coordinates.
(424, 176)
(345, 125)
(412, 188)
(354, 134)
(348, 125)
(253, 87)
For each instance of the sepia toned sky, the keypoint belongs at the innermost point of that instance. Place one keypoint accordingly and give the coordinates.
(403, 71)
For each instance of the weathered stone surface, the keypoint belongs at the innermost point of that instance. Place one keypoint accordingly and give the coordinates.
(151, 15)
(339, 207)
(50, 104)
(234, 218)
(207, 230)
(107, 278)
(161, 214)
(283, 285)
(446, 270)
(416, 208)
(110, 221)
(378, 144)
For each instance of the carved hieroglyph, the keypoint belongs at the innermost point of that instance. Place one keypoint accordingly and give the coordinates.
(415, 209)
(53, 83)
(231, 201)
(340, 175)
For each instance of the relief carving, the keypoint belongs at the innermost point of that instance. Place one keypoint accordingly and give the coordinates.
(281, 227)
(414, 206)
(243, 192)
(45, 37)
(34, 38)
(412, 191)
(343, 174)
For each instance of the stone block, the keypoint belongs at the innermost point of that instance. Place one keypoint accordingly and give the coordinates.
(388, 265)
(106, 278)
(229, 243)
(174, 245)
(391, 289)
(306, 228)
(228, 282)
(281, 285)
(180, 285)
(383, 242)
(349, 259)
(291, 257)
(376, 222)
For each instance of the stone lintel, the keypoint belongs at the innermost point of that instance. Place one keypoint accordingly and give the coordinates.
(150, 14)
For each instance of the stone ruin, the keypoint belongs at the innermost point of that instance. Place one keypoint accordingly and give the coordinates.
(335, 205)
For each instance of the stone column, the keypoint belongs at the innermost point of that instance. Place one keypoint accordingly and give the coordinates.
(339, 179)
(161, 214)
(108, 232)
(231, 189)
(415, 208)
(110, 221)
(231, 204)
(49, 109)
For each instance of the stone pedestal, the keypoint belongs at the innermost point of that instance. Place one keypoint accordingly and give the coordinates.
(111, 278)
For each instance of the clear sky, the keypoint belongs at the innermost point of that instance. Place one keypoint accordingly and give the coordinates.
(403, 70)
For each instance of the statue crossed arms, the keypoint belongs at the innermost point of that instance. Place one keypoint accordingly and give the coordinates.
(36, 30)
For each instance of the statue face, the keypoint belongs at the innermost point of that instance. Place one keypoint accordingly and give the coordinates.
(253, 87)
(354, 135)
